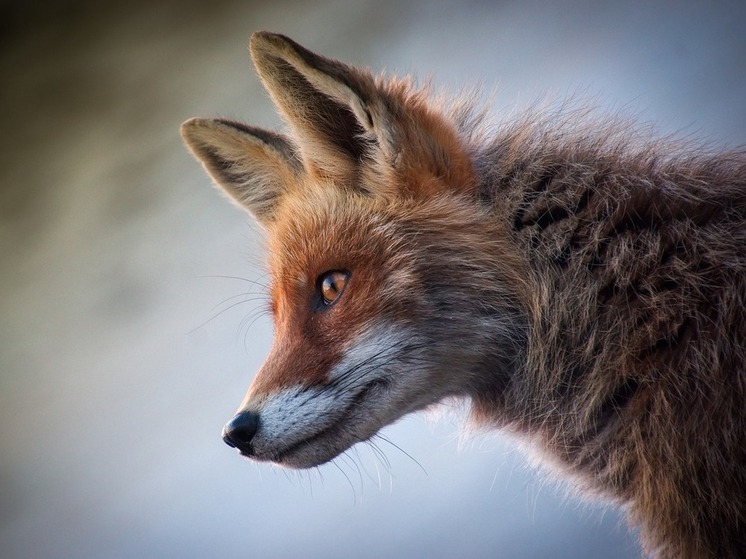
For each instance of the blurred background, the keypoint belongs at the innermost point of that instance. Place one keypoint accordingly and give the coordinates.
(126, 342)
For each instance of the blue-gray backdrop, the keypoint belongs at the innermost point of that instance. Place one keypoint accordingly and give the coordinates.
(124, 342)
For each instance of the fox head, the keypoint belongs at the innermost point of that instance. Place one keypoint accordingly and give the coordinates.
(392, 286)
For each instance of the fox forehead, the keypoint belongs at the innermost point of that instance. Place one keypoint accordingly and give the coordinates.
(322, 229)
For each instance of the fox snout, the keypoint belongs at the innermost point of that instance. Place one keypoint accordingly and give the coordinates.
(239, 431)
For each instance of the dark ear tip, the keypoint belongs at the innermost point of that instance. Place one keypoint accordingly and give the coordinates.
(262, 36)
(190, 124)
(190, 129)
(266, 40)
(195, 123)
(265, 45)
(187, 129)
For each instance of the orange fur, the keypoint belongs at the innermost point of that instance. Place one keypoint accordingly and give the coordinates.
(581, 284)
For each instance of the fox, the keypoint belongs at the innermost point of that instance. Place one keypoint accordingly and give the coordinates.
(577, 283)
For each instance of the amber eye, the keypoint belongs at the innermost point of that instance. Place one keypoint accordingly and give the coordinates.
(331, 285)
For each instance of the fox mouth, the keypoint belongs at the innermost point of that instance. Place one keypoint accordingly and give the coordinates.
(354, 424)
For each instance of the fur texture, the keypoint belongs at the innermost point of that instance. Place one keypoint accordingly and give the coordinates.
(582, 285)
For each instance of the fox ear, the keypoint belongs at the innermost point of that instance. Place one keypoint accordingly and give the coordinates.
(349, 126)
(253, 166)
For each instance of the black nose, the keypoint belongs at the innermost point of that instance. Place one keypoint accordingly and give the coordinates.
(239, 431)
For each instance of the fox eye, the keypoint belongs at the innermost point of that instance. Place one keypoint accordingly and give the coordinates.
(331, 285)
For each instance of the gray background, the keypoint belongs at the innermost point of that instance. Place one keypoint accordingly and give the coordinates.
(123, 350)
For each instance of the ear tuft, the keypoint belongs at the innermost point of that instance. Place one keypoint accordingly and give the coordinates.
(253, 166)
(381, 137)
(350, 125)
(325, 101)
(342, 84)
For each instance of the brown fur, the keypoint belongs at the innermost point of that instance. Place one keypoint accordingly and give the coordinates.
(585, 286)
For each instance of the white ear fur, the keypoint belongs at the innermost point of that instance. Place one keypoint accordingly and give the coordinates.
(381, 137)
(336, 110)
(253, 166)
(330, 86)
